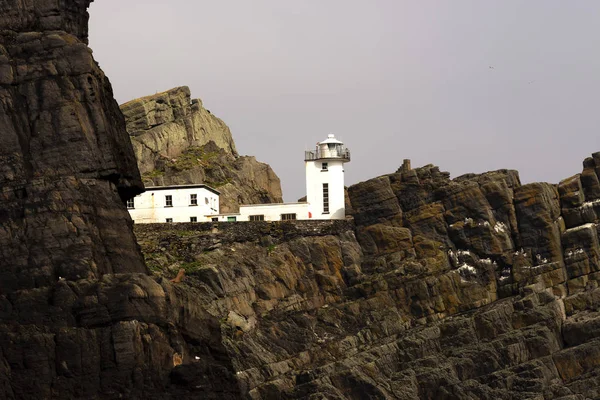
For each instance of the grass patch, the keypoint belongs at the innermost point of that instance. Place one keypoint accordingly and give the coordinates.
(217, 184)
(152, 174)
(191, 267)
(192, 157)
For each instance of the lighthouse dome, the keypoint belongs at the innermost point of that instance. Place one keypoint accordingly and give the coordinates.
(331, 139)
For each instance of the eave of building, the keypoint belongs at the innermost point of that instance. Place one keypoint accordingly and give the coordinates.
(272, 204)
(199, 186)
(345, 159)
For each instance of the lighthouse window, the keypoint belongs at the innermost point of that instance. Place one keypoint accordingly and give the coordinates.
(130, 203)
(257, 218)
(324, 166)
(168, 201)
(193, 199)
(325, 198)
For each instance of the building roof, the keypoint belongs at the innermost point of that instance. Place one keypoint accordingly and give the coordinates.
(171, 187)
(273, 204)
(331, 139)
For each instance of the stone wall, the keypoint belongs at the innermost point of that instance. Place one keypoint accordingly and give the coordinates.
(245, 231)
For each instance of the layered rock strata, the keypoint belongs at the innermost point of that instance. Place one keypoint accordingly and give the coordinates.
(177, 141)
(477, 287)
(79, 315)
(440, 289)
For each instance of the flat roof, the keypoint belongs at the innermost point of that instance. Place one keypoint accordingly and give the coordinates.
(170, 187)
(272, 204)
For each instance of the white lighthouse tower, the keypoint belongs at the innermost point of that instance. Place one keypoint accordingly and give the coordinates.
(325, 179)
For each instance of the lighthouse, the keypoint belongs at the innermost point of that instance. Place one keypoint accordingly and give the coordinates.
(325, 179)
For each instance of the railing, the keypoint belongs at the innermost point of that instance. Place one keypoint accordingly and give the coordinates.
(334, 153)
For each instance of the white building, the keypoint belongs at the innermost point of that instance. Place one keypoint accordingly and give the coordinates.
(182, 203)
(194, 203)
(324, 189)
(325, 179)
(266, 212)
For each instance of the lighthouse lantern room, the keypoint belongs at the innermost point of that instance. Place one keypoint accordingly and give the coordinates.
(325, 179)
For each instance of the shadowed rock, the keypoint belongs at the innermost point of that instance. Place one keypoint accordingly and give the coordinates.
(79, 316)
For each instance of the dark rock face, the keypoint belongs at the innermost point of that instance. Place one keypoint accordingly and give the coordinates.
(60, 15)
(66, 164)
(79, 315)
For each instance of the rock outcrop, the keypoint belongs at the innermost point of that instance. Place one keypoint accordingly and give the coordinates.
(177, 141)
(66, 163)
(79, 315)
(440, 289)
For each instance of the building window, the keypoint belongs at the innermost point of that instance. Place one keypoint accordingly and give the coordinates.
(169, 220)
(130, 203)
(168, 201)
(324, 166)
(193, 199)
(215, 219)
(325, 198)
(257, 218)
(193, 219)
(231, 219)
(206, 200)
(288, 217)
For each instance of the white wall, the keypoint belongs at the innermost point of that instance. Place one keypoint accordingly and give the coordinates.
(272, 212)
(150, 206)
(223, 217)
(315, 178)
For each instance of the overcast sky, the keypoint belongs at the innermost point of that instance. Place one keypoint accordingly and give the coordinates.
(469, 85)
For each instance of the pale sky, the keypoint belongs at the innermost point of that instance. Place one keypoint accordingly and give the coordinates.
(469, 85)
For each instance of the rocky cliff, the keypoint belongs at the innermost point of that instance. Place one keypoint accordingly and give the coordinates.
(177, 141)
(79, 315)
(476, 287)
